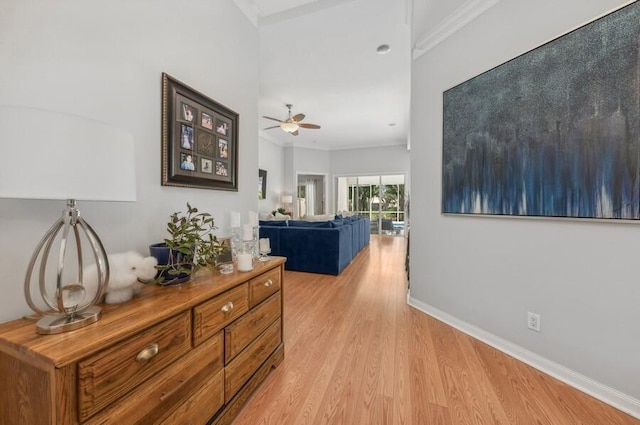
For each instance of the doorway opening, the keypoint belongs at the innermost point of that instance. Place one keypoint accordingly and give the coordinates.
(310, 195)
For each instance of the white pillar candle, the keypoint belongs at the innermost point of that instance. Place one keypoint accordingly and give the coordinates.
(264, 245)
(247, 233)
(245, 262)
(235, 219)
(253, 218)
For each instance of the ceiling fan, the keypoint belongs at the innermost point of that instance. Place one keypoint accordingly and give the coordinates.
(292, 123)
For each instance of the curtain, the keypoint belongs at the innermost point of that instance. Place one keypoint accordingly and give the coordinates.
(311, 196)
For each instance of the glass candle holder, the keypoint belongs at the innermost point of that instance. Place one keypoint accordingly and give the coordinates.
(244, 256)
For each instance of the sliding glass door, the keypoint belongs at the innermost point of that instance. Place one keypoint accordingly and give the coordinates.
(381, 198)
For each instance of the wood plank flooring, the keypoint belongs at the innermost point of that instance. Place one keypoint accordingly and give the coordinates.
(357, 354)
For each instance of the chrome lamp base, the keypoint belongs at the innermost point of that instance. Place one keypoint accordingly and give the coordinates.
(67, 309)
(49, 325)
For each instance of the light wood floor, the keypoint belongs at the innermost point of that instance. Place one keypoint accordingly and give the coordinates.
(357, 354)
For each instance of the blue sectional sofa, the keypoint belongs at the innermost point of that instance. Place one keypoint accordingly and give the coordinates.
(317, 246)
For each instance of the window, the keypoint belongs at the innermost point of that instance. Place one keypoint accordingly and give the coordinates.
(381, 198)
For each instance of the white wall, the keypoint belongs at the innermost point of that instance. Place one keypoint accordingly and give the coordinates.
(289, 175)
(309, 161)
(377, 160)
(271, 159)
(104, 60)
(581, 277)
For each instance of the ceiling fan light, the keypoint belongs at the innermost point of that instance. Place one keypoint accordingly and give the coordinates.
(289, 127)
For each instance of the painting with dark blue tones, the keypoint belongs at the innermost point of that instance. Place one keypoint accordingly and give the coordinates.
(553, 132)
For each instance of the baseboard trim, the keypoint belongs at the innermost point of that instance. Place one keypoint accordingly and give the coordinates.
(583, 383)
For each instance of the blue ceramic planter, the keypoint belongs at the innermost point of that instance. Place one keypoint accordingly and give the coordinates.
(161, 252)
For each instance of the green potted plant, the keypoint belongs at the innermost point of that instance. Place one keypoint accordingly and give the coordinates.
(190, 245)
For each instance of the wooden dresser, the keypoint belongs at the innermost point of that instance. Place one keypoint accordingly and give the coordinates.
(189, 354)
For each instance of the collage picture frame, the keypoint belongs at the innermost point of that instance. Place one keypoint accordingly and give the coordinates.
(199, 139)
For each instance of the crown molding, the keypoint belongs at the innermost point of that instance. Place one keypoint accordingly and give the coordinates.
(268, 137)
(451, 24)
(250, 10)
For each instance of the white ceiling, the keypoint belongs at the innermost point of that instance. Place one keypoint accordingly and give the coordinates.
(320, 56)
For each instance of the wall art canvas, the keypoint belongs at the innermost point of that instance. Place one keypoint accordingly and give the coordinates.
(552, 133)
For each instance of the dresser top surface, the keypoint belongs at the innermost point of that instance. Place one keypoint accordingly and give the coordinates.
(119, 321)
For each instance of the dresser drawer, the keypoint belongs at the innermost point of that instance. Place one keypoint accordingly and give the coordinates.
(170, 392)
(263, 286)
(106, 376)
(201, 406)
(214, 314)
(240, 369)
(244, 330)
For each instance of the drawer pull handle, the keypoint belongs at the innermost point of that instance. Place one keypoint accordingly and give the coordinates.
(227, 307)
(268, 283)
(148, 353)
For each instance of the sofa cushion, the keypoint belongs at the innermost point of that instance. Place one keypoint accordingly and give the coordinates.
(273, 223)
(316, 250)
(321, 217)
(315, 224)
(337, 222)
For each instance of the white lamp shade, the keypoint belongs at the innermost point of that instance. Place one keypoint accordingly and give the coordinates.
(287, 199)
(53, 155)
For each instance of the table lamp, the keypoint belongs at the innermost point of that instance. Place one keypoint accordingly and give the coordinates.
(59, 156)
(287, 200)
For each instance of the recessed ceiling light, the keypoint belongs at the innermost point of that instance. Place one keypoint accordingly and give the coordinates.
(383, 49)
(392, 124)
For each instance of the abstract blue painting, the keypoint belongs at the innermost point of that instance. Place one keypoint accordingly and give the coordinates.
(554, 132)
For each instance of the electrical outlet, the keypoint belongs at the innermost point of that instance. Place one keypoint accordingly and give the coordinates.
(533, 321)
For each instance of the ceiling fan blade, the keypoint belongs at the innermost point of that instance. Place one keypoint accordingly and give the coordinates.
(295, 133)
(274, 119)
(298, 117)
(269, 128)
(311, 126)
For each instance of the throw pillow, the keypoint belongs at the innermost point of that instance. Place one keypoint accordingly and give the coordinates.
(282, 216)
(266, 216)
(322, 217)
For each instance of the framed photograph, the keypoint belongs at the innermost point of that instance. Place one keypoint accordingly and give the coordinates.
(193, 123)
(223, 149)
(262, 184)
(206, 121)
(187, 112)
(222, 127)
(221, 168)
(206, 165)
(186, 137)
(187, 162)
